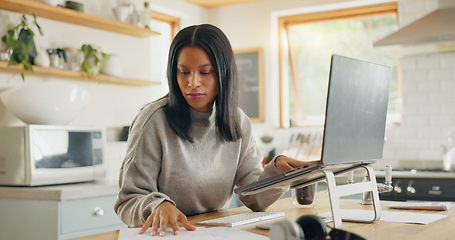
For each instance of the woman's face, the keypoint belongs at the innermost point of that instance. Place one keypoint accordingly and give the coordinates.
(197, 78)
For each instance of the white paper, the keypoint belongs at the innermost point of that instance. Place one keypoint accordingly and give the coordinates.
(388, 216)
(202, 233)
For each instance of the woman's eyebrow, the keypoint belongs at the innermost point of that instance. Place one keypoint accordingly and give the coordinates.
(206, 65)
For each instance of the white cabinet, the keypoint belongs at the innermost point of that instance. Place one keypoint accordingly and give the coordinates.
(68, 213)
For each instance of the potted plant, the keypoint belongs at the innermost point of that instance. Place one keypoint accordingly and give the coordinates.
(21, 41)
(93, 59)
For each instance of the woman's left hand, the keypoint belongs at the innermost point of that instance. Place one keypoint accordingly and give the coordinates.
(166, 213)
(284, 163)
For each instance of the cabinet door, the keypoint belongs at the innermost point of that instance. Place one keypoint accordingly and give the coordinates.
(23, 219)
(89, 216)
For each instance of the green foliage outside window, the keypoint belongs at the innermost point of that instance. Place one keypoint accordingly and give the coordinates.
(313, 44)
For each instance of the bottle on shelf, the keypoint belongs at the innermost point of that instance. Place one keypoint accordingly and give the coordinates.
(146, 17)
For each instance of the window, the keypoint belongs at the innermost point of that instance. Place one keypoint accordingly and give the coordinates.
(308, 41)
(167, 26)
(170, 25)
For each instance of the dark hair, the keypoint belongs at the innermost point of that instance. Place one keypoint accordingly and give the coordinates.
(218, 47)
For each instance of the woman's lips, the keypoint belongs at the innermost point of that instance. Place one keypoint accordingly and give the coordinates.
(195, 95)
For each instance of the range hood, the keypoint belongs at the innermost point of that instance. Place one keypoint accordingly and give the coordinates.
(436, 29)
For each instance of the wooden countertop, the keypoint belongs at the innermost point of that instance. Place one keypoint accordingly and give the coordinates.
(441, 229)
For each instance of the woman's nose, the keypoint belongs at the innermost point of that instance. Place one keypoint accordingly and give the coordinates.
(194, 81)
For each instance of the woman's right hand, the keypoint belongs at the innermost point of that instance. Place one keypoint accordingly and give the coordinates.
(166, 213)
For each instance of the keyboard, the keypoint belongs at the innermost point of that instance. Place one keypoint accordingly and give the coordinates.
(241, 219)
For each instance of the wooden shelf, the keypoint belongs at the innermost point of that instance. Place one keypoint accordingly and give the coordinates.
(74, 17)
(73, 75)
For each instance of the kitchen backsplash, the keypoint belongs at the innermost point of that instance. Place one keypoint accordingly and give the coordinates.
(428, 88)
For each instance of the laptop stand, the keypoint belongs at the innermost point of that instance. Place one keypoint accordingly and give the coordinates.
(335, 192)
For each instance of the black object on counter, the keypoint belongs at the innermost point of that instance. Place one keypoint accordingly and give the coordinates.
(124, 135)
(305, 195)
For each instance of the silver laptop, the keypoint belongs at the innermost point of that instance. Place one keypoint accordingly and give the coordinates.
(355, 119)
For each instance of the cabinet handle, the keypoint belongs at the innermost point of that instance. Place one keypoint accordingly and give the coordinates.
(98, 211)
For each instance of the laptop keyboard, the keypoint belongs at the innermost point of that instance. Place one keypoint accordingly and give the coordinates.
(241, 219)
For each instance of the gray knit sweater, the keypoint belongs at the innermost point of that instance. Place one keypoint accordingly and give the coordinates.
(197, 177)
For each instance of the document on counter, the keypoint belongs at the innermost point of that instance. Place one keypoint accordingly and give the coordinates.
(201, 233)
(389, 216)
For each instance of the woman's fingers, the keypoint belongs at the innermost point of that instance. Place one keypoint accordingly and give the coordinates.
(166, 214)
(284, 163)
(147, 224)
(182, 218)
(155, 225)
(163, 227)
(175, 227)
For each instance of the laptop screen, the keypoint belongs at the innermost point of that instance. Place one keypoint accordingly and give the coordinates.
(356, 111)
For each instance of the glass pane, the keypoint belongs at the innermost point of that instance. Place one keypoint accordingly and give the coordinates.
(312, 45)
(63, 149)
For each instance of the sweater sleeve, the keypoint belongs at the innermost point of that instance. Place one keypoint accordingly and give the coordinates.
(261, 201)
(250, 170)
(138, 192)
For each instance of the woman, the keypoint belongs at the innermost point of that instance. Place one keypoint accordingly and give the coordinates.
(188, 150)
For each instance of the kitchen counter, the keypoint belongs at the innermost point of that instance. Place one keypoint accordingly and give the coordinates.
(61, 192)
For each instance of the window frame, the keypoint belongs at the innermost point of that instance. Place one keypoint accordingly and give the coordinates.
(284, 21)
(174, 22)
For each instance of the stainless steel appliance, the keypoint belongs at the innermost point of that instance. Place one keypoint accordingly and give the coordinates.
(42, 154)
(420, 184)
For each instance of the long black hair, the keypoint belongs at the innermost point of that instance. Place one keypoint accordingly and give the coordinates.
(218, 47)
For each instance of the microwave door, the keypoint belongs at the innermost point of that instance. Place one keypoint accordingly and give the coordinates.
(63, 149)
(50, 148)
(80, 148)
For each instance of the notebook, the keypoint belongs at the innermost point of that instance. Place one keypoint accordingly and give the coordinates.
(354, 128)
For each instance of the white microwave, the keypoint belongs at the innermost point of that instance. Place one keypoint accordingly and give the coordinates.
(35, 155)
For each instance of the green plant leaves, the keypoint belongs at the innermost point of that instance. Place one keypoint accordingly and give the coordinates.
(98, 58)
(21, 40)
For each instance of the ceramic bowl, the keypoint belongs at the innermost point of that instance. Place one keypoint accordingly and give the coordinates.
(48, 103)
